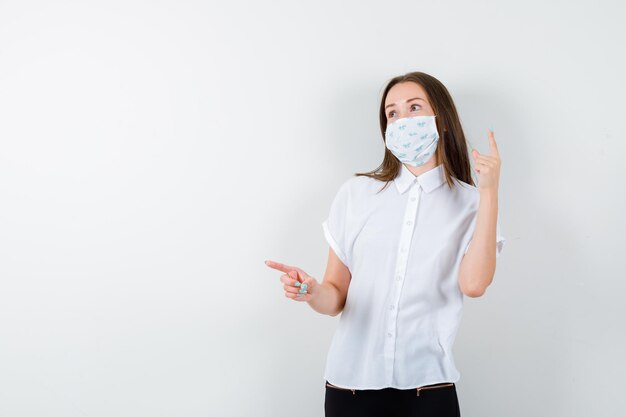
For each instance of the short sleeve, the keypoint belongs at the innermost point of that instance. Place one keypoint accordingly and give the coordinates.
(500, 239)
(335, 226)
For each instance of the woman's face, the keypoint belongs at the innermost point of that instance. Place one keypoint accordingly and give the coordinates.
(406, 99)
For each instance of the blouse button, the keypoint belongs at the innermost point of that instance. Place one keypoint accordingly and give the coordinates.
(408, 222)
(412, 198)
(398, 277)
(391, 307)
(389, 334)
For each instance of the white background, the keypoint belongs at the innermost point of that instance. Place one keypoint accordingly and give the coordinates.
(153, 154)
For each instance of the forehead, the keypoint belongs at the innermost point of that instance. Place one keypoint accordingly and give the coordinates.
(400, 92)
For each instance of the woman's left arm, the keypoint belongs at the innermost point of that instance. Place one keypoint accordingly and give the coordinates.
(479, 263)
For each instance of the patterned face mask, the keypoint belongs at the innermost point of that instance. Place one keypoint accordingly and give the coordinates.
(412, 140)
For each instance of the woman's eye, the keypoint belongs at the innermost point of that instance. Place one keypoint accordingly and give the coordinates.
(416, 105)
(391, 113)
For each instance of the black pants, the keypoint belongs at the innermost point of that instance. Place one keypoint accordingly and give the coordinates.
(435, 400)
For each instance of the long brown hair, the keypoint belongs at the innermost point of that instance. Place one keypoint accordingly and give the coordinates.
(451, 147)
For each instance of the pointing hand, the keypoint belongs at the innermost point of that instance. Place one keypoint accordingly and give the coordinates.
(298, 285)
(488, 166)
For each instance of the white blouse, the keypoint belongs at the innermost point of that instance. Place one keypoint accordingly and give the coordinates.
(403, 247)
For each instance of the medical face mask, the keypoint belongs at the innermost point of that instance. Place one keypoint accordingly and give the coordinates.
(412, 140)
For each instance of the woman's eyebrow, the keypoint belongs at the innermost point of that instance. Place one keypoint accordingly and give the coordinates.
(411, 99)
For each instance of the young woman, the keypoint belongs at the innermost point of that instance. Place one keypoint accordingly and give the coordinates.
(400, 259)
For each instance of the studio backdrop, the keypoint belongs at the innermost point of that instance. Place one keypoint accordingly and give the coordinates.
(153, 154)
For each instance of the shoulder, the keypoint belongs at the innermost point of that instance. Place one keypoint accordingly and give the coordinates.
(464, 187)
(466, 194)
(361, 186)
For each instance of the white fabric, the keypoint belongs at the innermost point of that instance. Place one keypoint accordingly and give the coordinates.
(403, 247)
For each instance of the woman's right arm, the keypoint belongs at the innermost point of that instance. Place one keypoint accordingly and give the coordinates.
(330, 295)
(327, 297)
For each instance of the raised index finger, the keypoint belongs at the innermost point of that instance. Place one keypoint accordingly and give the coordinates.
(279, 266)
(492, 144)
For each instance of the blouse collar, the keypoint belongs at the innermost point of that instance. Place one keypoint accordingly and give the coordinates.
(429, 180)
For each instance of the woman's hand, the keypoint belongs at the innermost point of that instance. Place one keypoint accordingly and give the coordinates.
(298, 285)
(488, 166)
